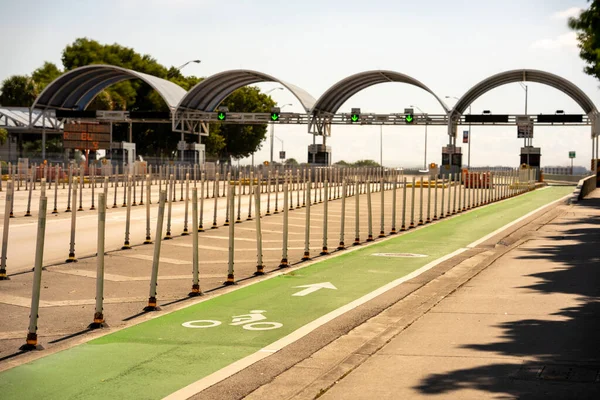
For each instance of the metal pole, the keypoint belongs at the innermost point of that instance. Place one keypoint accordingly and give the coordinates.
(342, 246)
(227, 202)
(239, 213)
(56, 171)
(200, 217)
(369, 213)
(126, 245)
(187, 200)
(7, 208)
(169, 200)
(382, 222)
(260, 268)
(403, 226)
(195, 272)
(284, 244)
(356, 213)
(70, 187)
(394, 205)
(28, 213)
(250, 192)
(412, 204)
(98, 312)
(72, 258)
(443, 192)
(214, 225)
(325, 251)
(306, 255)
(428, 219)
(152, 303)
(31, 340)
(230, 274)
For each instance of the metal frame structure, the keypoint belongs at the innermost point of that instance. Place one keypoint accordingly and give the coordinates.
(523, 75)
(207, 95)
(75, 90)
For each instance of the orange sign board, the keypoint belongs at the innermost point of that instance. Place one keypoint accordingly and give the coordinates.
(86, 136)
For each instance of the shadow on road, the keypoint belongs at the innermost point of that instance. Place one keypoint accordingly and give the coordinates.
(564, 351)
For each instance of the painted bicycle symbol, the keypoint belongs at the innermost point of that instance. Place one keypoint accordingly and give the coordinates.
(247, 321)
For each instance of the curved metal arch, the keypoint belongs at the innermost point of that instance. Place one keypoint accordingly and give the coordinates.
(523, 75)
(75, 89)
(208, 94)
(338, 94)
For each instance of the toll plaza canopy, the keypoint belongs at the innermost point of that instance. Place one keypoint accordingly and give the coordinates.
(339, 93)
(208, 94)
(75, 89)
(17, 118)
(522, 75)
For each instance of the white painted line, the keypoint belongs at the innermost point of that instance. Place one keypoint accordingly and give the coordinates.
(516, 221)
(124, 278)
(226, 372)
(196, 387)
(149, 258)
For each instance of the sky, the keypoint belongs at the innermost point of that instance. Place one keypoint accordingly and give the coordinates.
(448, 46)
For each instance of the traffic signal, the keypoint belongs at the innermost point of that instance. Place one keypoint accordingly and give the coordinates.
(222, 116)
(274, 116)
(355, 115)
(409, 118)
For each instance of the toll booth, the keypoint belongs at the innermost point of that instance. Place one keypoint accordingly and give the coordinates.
(451, 160)
(194, 153)
(319, 155)
(122, 153)
(532, 156)
(595, 168)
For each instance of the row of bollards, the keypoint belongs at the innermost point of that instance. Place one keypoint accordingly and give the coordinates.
(459, 193)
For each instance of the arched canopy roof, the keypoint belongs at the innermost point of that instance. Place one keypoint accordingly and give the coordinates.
(208, 94)
(338, 94)
(77, 88)
(523, 75)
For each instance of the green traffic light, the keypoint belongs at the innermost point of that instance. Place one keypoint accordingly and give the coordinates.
(409, 118)
(354, 117)
(274, 116)
(221, 116)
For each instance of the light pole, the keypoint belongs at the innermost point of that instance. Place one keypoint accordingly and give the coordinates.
(381, 145)
(426, 120)
(281, 147)
(469, 143)
(182, 152)
(526, 88)
(273, 127)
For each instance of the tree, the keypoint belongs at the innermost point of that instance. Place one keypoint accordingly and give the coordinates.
(242, 140)
(45, 74)
(366, 163)
(3, 136)
(342, 163)
(291, 162)
(18, 91)
(587, 26)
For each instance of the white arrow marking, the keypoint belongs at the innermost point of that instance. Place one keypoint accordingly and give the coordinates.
(313, 288)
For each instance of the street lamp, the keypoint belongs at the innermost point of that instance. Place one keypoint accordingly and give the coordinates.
(469, 147)
(273, 128)
(426, 120)
(191, 61)
(281, 146)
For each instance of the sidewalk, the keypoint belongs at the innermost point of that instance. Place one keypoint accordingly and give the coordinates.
(525, 324)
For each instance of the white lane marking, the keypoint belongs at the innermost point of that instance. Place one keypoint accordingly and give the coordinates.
(250, 240)
(188, 245)
(150, 258)
(516, 221)
(224, 373)
(313, 288)
(245, 362)
(124, 278)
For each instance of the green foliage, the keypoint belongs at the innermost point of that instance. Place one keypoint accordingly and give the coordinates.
(33, 149)
(3, 136)
(342, 163)
(45, 74)
(18, 91)
(242, 140)
(225, 141)
(366, 163)
(291, 162)
(587, 26)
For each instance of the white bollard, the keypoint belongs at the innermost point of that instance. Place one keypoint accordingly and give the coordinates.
(152, 303)
(195, 272)
(7, 208)
(99, 310)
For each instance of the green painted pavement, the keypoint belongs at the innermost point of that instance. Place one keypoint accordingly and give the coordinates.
(158, 357)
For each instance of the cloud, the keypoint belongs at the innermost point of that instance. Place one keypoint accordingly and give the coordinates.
(564, 41)
(568, 13)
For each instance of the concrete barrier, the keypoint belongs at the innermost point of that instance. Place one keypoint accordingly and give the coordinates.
(563, 178)
(584, 187)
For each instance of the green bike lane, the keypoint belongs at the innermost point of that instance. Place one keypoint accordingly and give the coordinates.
(158, 357)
